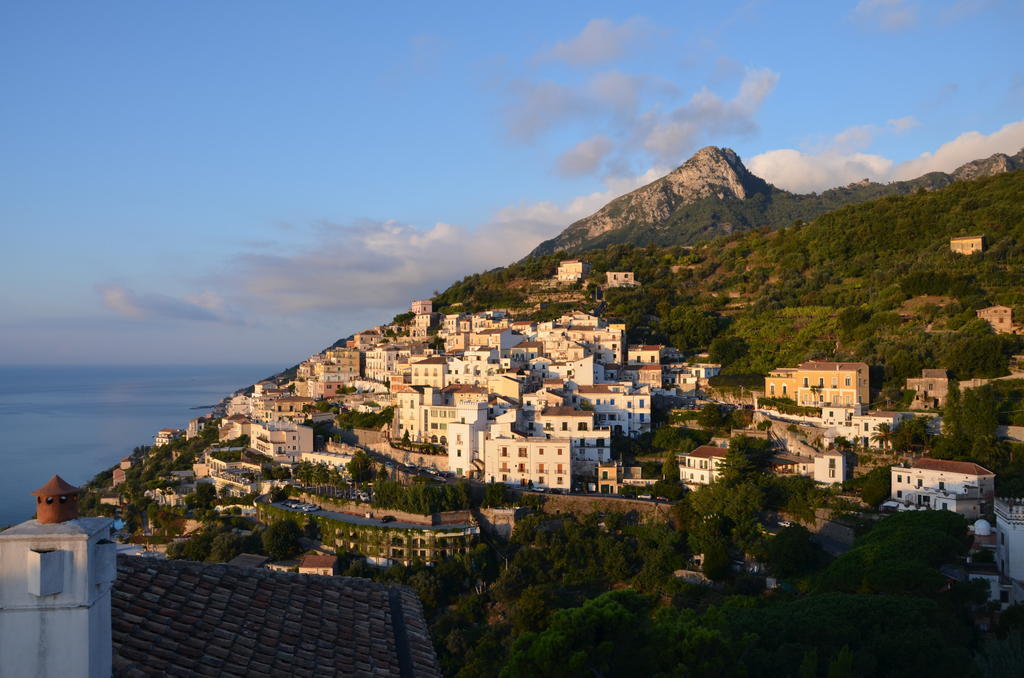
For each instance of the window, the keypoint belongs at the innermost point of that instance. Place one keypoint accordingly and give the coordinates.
(942, 485)
(899, 494)
(504, 451)
(540, 451)
(847, 381)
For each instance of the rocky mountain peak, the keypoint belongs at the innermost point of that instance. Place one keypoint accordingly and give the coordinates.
(711, 171)
(986, 167)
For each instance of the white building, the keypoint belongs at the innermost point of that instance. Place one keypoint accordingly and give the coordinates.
(572, 270)
(831, 467)
(55, 604)
(859, 427)
(702, 466)
(620, 407)
(281, 440)
(1010, 543)
(960, 486)
(516, 459)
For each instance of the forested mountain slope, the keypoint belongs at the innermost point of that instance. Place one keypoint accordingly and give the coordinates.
(874, 282)
(714, 194)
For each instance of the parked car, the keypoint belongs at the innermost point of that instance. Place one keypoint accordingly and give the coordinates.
(387, 519)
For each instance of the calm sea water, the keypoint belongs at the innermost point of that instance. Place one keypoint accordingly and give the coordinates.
(77, 421)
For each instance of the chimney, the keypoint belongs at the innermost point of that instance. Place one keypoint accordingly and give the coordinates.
(56, 502)
(56, 574)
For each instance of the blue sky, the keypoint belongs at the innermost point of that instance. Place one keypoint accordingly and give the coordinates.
(246, 181)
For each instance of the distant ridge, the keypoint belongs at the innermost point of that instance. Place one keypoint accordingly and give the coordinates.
(714, 194)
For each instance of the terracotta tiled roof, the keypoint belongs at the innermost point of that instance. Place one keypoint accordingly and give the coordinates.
(708, 451)
(435, 360)
(829, 365)
(598, 388)
(318, 560)
(948, 466)
(179, 618)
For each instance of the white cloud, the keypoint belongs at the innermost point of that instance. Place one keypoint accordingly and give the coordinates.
(206, 306)
(599, 42)
(887, 15)
(798, 171)
(965, 148)
(586, 156)
(332, 268)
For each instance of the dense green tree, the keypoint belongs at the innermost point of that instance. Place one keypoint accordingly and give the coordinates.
(361, 468)
(791, 553)
(726, 350)
(281, 540)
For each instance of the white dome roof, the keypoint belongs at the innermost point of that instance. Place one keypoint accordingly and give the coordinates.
(982, 527)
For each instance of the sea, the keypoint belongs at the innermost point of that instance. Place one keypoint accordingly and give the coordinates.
(75, 421)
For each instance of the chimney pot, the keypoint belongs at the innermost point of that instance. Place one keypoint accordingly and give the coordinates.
(56, 501)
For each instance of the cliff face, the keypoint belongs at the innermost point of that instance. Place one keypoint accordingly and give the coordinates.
(714, 194)
(712, 173)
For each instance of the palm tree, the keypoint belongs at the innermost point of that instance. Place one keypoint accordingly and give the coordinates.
(882, 435)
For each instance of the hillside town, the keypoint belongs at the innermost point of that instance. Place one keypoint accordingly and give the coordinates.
(560, 408)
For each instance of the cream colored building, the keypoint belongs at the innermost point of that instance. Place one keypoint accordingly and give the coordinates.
(930, 389)
(281, 439)
(572, 270)
(620, 279)
(816, 383)
(516, 459)
(967, 244)
(999, 317)
(288, 407)
(431, 371)
(644, 354)
(422, 306)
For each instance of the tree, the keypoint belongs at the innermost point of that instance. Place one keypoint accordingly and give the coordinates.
(711, 417)
(882, 435)
(361, 467)
(791, 552)
(225, 546)
(495, 495)
(281, 540)
(670, 467)
(727, 350)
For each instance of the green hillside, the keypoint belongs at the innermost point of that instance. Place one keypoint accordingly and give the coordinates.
(874, 281)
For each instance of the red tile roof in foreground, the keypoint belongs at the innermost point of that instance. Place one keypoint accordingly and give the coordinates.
(948, 466)
(177, 618)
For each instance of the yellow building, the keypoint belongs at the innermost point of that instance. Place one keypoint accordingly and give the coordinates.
(819, 382)
(967, 244)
